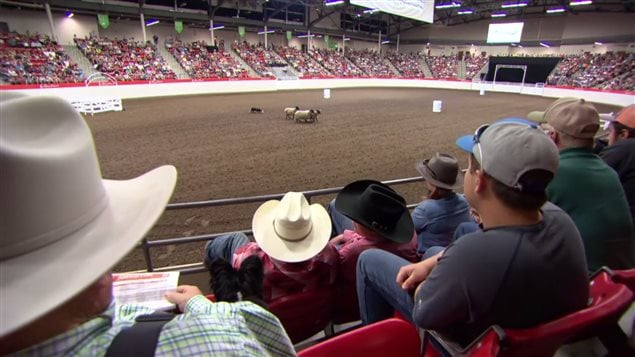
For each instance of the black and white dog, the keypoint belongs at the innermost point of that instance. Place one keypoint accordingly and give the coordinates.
(244, 284)
(256, 110)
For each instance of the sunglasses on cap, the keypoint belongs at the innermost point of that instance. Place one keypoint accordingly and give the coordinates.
(481, 129)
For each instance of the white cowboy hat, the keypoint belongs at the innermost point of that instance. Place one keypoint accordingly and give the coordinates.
(61, 225)
(290, 230)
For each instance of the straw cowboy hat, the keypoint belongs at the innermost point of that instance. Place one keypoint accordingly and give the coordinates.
(291, 230)
(61, 225)
(377, 207)
(442, 170)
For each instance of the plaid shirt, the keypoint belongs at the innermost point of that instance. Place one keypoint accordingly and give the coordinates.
(282, 279)
(206, 328)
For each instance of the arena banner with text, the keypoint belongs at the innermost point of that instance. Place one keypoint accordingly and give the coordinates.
(178, 26)
(241, 31)
(103, 20)
(289, 35)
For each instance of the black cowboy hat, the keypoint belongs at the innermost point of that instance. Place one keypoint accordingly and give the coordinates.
(378, 208)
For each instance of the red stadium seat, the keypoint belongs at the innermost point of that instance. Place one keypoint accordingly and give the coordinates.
(609, 300)
(391, 337)
(304, 314)
(626, 277)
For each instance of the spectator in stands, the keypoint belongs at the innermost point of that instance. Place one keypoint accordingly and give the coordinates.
(57, 252)
(526, 267)
(436, 218)
(586, 187)
(620, 154)
(378, 218)
(292, 243)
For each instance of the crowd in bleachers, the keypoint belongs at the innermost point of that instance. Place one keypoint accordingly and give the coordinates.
(258, 57)
(370, 62)
(125, 59)
(443, 66)
(610, 70)
(474, 64)
(338, 65)
(407, 64)
(30, 59)
(302, 62)
(201, 61)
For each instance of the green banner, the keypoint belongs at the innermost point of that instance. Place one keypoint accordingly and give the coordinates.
(289, 35)
(178, 26)
(326, 40)
(103, 20)
(241, 31)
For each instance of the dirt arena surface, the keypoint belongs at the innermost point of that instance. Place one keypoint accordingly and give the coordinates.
(222, 151)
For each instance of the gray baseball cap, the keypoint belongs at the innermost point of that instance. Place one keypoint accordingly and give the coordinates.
(511, 147)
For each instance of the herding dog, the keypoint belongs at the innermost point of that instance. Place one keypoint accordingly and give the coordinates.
(256, 110)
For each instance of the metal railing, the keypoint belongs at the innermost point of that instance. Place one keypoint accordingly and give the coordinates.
(146, 244)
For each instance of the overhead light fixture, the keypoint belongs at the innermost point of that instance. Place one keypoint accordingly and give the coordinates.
(499, 14)
(69, 14)
(544, 44)
(151, 22)
(371, 11)
(465, 12)
(517, 4)
(217, 27)
(385, 42)
(346, 39)
(305, 36)
(580, 2)
(333, 3)
(598, 43)
(555, 10)
(447, 6)
(264, 32)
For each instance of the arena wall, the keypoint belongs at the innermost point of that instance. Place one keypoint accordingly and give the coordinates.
(187, 87)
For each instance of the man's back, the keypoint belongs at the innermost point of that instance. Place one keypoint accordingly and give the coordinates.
(511, 276)
(590, 192)
(205, 328)
(621, 157)
(436, 220)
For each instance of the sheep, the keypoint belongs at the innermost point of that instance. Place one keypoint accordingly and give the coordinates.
(290, 112)
(306, 116)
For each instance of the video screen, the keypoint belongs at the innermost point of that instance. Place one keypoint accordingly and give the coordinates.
(422, 10)
(505, 33)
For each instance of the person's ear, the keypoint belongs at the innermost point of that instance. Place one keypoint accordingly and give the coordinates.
(480, 181)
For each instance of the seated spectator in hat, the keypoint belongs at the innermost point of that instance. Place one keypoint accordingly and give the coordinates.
(525, 267)
(57, 253)
(436, 218)
(380, 219)
(586, 187)
(620, 154)
(291, 240)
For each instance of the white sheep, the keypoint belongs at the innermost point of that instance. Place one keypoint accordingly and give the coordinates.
(306, 116)
(290, 112)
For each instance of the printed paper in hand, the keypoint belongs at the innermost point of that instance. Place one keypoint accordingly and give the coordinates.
(145, 288)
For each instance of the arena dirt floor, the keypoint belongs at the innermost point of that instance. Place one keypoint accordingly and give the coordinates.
(222, 151)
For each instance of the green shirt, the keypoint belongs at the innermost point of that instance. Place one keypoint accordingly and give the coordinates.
(205, 329)
(590, 192)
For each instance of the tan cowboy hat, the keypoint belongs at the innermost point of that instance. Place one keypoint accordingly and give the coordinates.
(291, 230)
(61, 225)
(442, 170)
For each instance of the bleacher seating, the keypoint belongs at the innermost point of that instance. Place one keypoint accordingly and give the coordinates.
(610, 70)
(199, 62)
(302, 62)
(369, 62)
(125, 59)
(473, 65)
(443, 66)
(336, 64)
(35, 59)
(258, 57)
(408, 65)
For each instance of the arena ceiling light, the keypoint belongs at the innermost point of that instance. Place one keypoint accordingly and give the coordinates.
(217, 27)
(371, 11)
(305, 35)
(544, 44)
(555, 10)
(333, 3)
(69, 14)
(499, 14)
(264, 32)
(598, 43)
(580, 2)
(152, 22)
(517, 4)
(447, 6)
(465, 12)
(384, 42)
